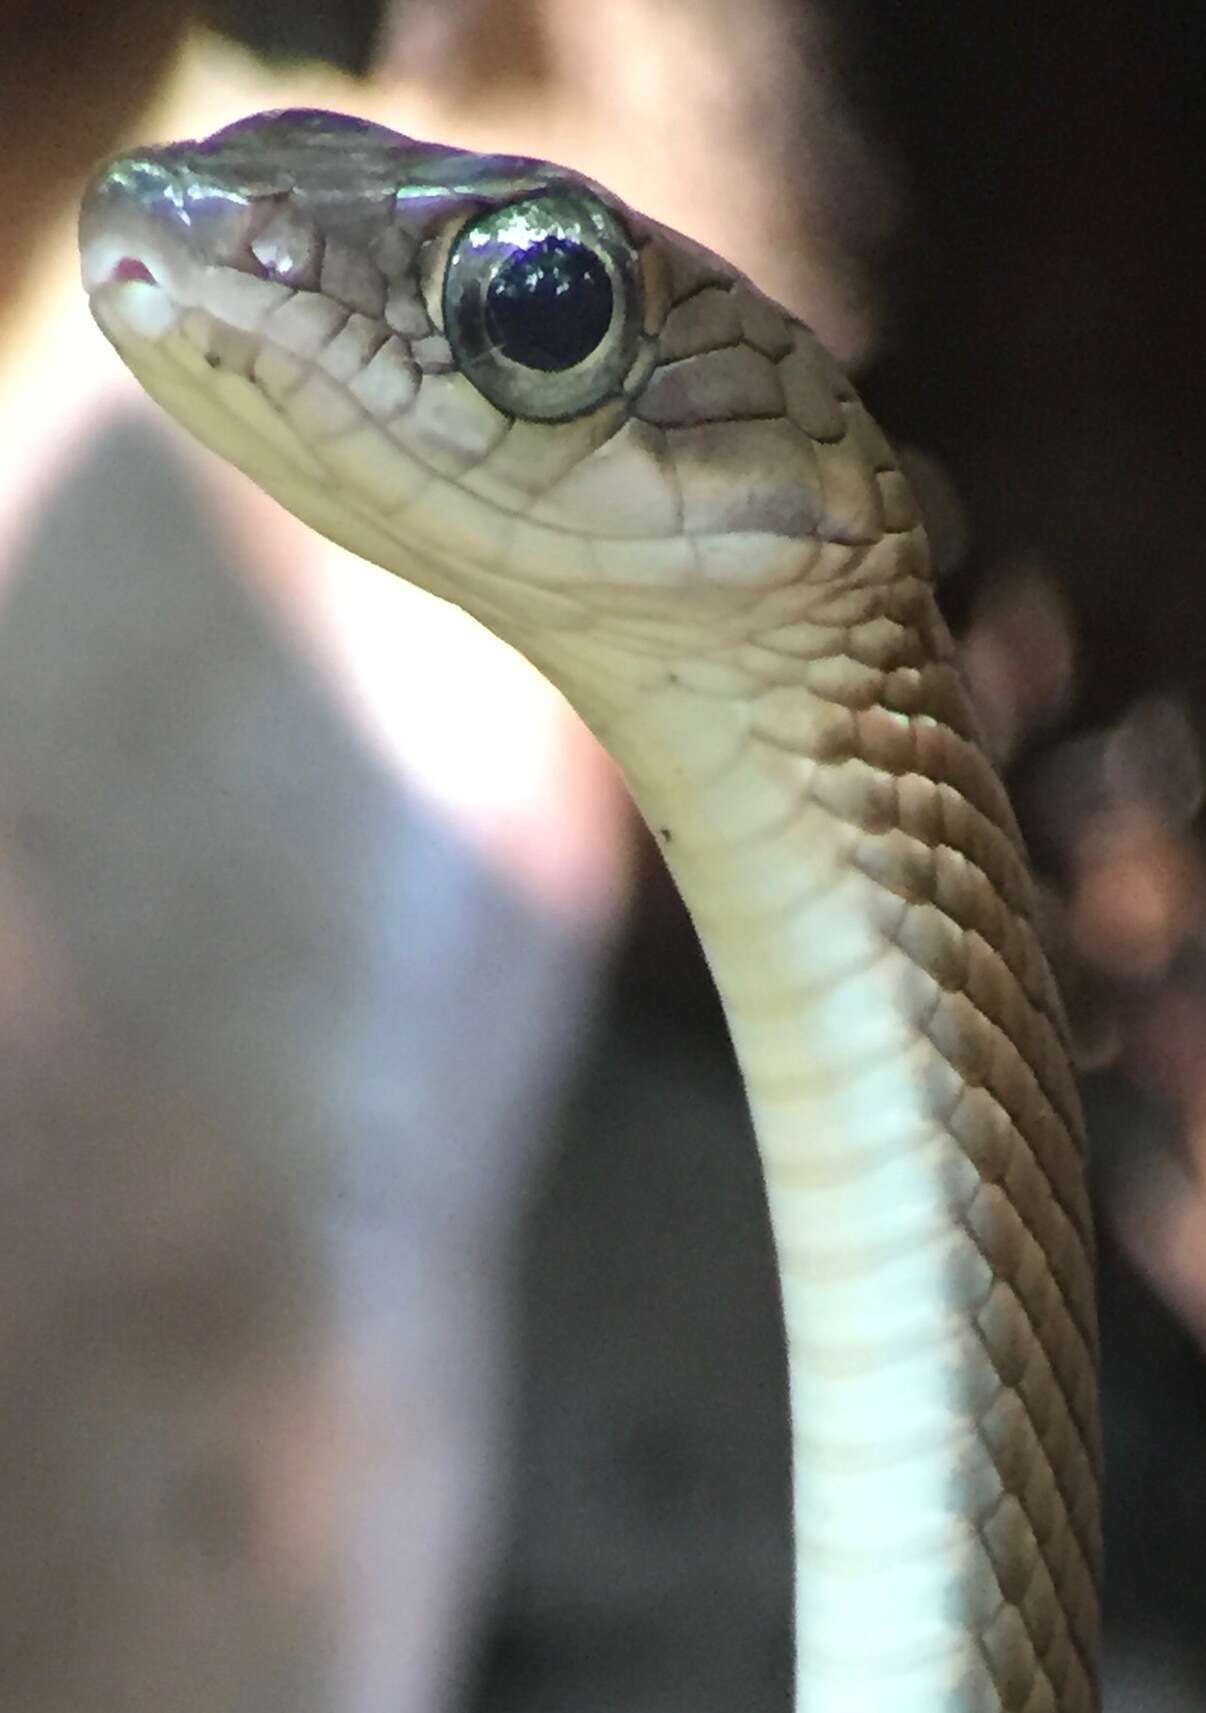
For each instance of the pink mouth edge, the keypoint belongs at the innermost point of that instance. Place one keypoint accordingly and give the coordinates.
(131, 268)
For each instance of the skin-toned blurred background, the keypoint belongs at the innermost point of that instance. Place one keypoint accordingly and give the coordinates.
(387, 1321)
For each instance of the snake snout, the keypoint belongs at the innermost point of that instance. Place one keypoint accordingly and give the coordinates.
(145, 218)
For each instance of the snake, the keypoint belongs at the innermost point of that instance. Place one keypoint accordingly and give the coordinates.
(488, 375)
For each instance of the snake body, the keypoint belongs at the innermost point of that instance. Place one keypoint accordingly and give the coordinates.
(489, 376)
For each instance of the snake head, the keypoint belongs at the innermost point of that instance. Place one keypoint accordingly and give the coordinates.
(487, 374)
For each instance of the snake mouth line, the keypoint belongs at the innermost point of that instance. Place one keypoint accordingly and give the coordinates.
(130, 284)
(113, 257)
(130, 268)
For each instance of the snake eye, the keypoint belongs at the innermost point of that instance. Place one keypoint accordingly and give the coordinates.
(541, 305)
(549, 307)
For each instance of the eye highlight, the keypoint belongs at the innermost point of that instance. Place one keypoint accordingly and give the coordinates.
(550, 306)
(542, 304)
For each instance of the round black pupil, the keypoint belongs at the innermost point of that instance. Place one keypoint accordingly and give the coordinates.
(548, 306)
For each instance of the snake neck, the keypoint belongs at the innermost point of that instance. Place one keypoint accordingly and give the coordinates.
(856, 879)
